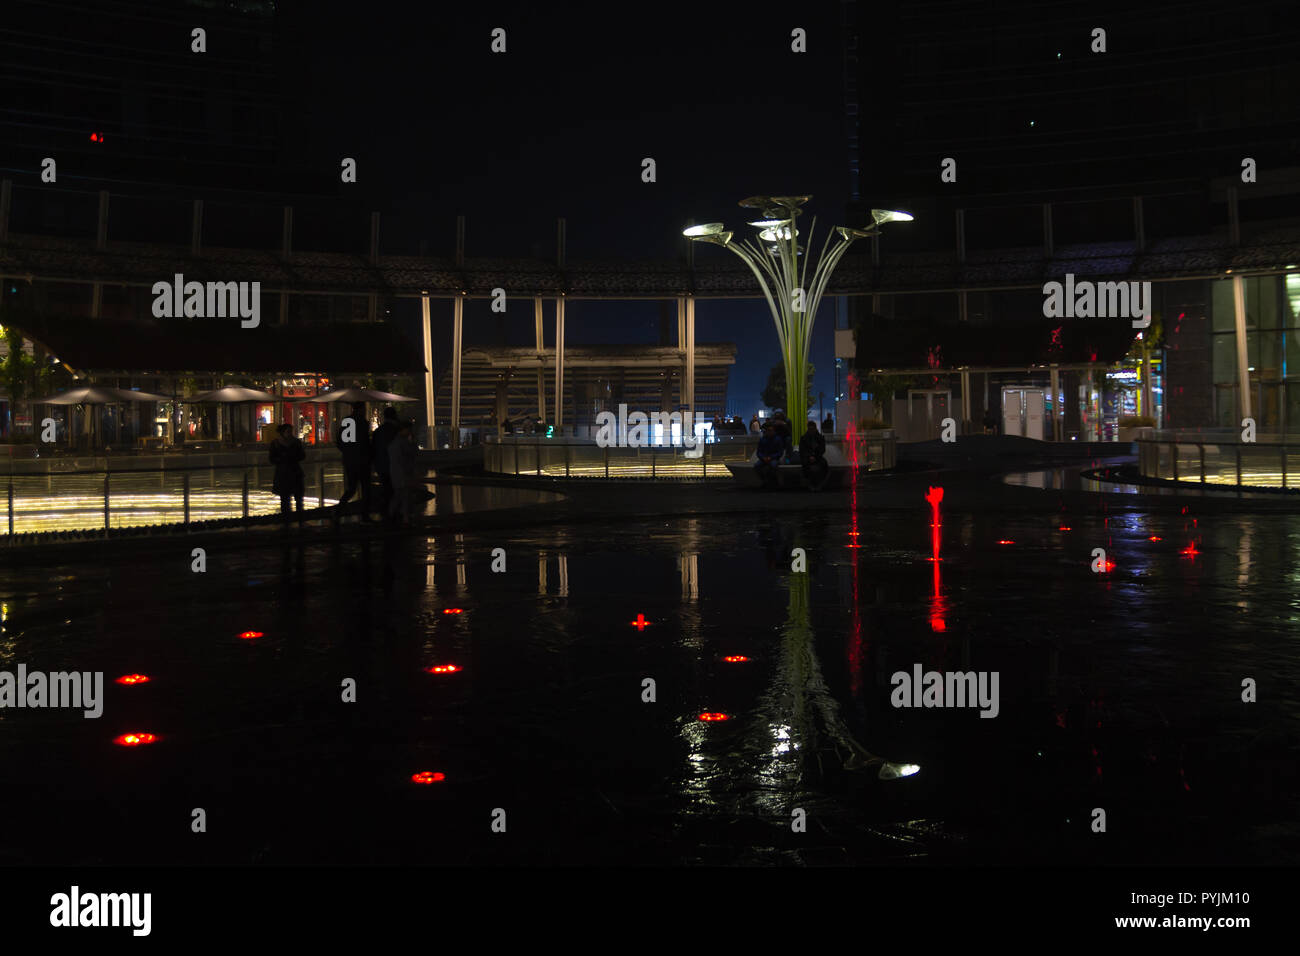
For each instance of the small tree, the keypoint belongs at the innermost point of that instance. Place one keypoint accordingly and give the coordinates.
(17, 372)
(774, 392)
(883, 386)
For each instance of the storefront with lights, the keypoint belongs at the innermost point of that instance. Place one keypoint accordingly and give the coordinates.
(179, 358)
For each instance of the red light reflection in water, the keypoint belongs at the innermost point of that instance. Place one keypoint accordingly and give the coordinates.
(640, 623)
(134, 740)
(1189, 551)
(736, 659)
(1006, 541)
(250, 635)
(427, 776)
(1155, 537)
(443, 669)
(711, 717)
(452, 610)
(937, 603)
(133, 679)
(855, 635)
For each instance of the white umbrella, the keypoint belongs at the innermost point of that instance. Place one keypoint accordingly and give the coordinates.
(100, 395)
(231, 394)
(358, 395)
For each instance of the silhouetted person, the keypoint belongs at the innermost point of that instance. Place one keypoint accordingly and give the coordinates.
(404, 472)
(990, 422)
(812, 456)
(286, 454)
(828, 426)
(784, 431)
(356, 458)
(379, 443)
(771, 449)
(754, 426)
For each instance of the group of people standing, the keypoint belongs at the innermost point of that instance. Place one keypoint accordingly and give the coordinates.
(776, 447)
(390, 450)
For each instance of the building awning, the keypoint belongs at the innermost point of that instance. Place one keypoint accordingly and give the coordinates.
(177, 346)
(884, 343)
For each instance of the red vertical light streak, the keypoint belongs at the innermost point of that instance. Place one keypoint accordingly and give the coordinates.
(937, 622)
(855, 638)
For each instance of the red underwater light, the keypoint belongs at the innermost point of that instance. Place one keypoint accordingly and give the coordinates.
(427, 776)
(442, 669)
(736, 659)
(452, 610)
(711, 717)
(640, 623)
(133, 679)
(250, 635)
(134, 740)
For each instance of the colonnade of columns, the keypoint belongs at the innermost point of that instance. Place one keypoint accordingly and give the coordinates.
(685, 345)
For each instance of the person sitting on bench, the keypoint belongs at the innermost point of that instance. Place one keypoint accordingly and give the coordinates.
(812, 456)
(771, 449)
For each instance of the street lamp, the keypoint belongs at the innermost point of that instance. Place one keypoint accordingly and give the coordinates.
(774, 260)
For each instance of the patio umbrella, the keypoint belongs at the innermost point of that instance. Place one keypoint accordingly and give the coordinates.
(230, 395)
(358, 395)
(99, 395)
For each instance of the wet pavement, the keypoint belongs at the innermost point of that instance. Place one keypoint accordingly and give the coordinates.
(1119, 691)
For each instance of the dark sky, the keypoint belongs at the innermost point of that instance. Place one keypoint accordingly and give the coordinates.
(559, 125)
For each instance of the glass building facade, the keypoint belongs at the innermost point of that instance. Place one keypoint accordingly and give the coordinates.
(1272, 350)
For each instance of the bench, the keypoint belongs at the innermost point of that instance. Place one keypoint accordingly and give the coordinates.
(788, 476)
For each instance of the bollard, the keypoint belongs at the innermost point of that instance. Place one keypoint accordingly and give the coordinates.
(320, 476)
(11, 509)
(245, 497)
(568, 453)
(106, 504)
(186, 484)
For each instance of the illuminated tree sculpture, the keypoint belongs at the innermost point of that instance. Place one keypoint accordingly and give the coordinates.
(790, 295)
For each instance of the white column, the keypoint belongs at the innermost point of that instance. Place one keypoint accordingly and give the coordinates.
(432, 437)
(541, 356)
(559, 364)
(457, 332)
(1243, 357)
(688, 384)
(965, 398)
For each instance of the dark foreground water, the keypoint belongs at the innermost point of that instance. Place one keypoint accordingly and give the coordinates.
(1120, 692)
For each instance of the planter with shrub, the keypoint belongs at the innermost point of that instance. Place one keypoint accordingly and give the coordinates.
(1133, 427)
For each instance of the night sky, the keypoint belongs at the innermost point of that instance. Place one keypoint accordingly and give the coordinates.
(558, 126)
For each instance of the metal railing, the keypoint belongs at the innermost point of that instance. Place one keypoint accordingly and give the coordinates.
(1220, 457)
(54, 498)
(541, 457)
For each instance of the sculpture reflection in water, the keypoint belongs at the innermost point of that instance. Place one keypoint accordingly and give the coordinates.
(758, 763)
(799, 690)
